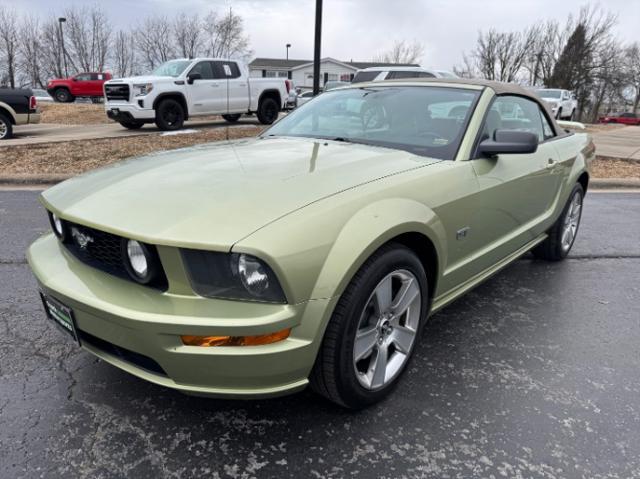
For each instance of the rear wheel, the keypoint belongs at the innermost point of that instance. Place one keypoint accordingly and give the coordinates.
(6, 128)
(563, 233)
(373, 330)
(232, 118)
(169, 115)
(63, 95)
(268, 111)
(132, 125)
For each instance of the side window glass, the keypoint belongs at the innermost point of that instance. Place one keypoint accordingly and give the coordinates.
(218, 70)
(514, 113)
(204, 68)
(546, 126)
(83, 77)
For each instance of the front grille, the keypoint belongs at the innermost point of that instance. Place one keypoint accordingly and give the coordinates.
(117, 92)
(103, 251)
(137, 359)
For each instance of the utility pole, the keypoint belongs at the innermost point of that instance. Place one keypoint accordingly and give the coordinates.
(288, 46)
(61, 20)
(316, 49)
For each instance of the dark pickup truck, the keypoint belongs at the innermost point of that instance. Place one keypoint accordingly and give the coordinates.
(17, 107)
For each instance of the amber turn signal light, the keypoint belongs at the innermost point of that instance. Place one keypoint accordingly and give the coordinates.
(208, 341)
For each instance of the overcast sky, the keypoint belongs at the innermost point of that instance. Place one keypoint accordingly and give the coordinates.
(358, 29)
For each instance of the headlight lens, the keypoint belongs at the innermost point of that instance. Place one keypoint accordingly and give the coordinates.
(137, 258)
(142, 89)
(232, 276)
(58, 226)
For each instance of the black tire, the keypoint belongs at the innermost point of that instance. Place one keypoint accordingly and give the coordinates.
(559, 114)
(6, 128)
(334, 374)
(552, 248)
(232, 118)
(169, 115)
(268, 111)
(132, 125)
(572, 116)
(62, 95)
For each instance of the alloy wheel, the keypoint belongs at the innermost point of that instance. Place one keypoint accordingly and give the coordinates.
(571, 221)
(387, 329)
(4, 129)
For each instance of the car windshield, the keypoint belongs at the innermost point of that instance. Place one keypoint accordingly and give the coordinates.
(550, 93)
(173, 68)
(427, 121)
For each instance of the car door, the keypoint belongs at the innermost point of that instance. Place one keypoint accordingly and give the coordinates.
(517, 191)
(97, 80)
(81, 84)
(208, 94)
(237, 87)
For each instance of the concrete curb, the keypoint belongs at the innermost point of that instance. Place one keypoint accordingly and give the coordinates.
(52, 179)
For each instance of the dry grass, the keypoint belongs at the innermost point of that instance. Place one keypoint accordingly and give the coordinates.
(614, 168)
(73, 113)
(73, 157)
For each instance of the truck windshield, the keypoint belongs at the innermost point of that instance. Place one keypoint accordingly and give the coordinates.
(427, 121)
(549, 93)
(173, 68)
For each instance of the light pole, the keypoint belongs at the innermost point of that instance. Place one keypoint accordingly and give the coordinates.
(61, 20)
(316, 48)
(288, 46)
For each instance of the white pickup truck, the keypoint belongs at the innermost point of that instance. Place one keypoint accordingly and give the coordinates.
(181, 89)
(562, 103)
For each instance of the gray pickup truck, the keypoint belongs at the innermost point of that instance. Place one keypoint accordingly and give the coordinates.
(17, 107)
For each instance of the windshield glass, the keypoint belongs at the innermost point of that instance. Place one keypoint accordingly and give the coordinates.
(173, 68)
(427, 121)
(549, 93)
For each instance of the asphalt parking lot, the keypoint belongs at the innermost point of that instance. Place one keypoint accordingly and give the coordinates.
(536, 373)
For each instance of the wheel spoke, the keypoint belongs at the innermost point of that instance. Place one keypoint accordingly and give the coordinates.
(383, 295)
(405, 297)
(403, 338)
(364, 343)
(379, 367)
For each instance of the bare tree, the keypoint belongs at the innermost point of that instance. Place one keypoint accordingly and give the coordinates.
(402, 51)
(89, 34)
(188, 35)
(225, 37)
(631, 71)
(30, 51)
(52, 61)
(9, 42)
(124, 58)
(154, 41)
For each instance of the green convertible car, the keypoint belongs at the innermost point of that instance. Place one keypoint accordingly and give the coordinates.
(314, 253)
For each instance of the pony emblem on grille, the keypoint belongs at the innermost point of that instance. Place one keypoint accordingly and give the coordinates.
(82, 239)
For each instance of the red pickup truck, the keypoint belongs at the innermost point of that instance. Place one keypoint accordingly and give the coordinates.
(627, 118)
(81, 85)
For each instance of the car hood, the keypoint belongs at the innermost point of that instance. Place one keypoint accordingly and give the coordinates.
(143, 79)
(213, 195)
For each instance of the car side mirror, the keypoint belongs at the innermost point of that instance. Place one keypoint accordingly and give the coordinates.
(509, 142)
(191, 77)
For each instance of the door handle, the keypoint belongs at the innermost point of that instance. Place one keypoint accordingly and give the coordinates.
(551, 163)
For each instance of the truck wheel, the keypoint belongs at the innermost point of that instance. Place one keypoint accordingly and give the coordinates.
(571, 117)
(132, 125)
(559, 114)
(232, 118)
(63, 95)
(268, 111)
(6, 128)
(169, 115)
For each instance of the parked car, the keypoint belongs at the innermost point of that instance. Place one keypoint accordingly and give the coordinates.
(625, 118)
(562, 103)
(331, 85)
(316, 252)
(186, 88)
(17, 107)
(304, 97)
(42, 96)
(398, 73)
(86, 85)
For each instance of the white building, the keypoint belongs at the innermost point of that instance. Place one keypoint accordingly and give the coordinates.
(301, 71)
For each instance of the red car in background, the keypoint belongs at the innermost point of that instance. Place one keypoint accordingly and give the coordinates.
(623, 118)
(81, 85)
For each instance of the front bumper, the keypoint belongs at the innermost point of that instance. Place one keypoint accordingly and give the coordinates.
(129, 112)
(149, 323)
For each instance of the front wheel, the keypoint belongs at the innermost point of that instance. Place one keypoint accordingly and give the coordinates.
(169, 115)
(63, 95)
(6, 128)
(132, 125)
(563, 233)
(268, 111)
(373, 330)
(232, 118)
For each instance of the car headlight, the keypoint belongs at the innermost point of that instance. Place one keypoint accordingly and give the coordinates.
(141, 262)
(232, 276)
(58, 226)
(142, 89)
